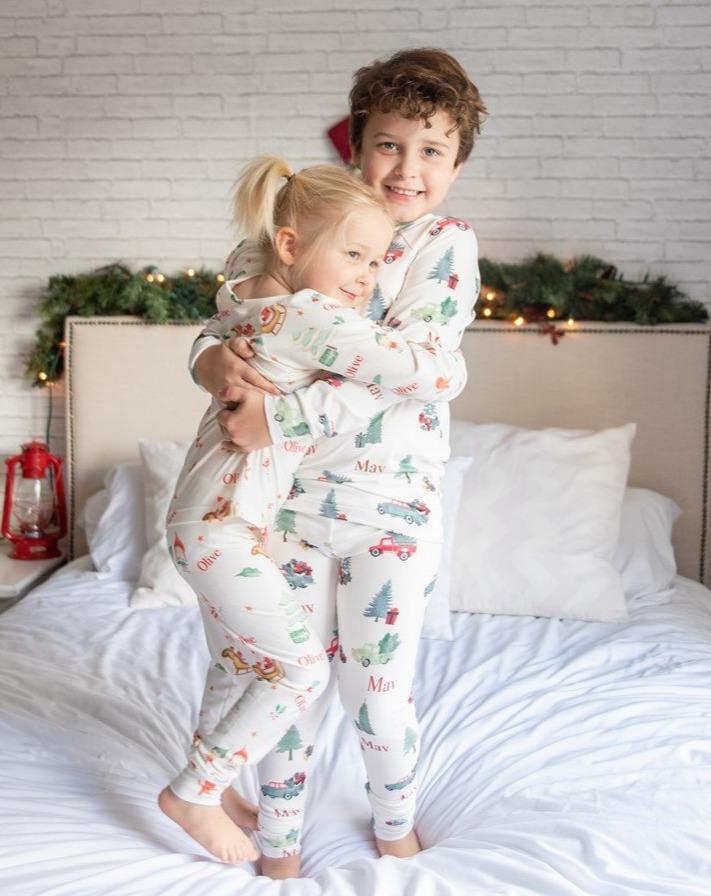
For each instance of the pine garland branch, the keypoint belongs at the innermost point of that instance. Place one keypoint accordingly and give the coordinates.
(114, 290)
(587, 288)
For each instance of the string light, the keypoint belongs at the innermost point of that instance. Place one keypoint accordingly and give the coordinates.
(487, 312)
(42, 376)
(160, 277)
(490, 296)
(191, 272)
(571, 321)
(519, 322)
(150, 278)
(550, 313)
(220, 278)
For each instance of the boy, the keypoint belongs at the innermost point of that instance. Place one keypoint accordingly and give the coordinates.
(413, 121)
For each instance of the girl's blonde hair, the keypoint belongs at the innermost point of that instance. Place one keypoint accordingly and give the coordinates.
(269, 195)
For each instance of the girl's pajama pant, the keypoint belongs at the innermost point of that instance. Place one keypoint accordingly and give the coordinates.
(253, 627)
(363, 591)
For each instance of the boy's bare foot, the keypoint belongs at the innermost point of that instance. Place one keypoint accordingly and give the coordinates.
(240, 810)
(211, 827)
(280, 869)
(403, 848)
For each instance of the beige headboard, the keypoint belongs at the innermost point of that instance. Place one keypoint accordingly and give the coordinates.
(127, 379)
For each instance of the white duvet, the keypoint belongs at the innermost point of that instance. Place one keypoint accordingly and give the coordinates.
(557, 757)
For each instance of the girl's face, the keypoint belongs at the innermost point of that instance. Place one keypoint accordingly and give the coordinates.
(411, 165)
(346, 263)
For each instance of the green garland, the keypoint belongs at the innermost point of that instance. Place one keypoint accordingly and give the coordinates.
(584, 289)
(114, 290)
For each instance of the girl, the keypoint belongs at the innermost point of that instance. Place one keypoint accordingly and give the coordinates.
(323, 234)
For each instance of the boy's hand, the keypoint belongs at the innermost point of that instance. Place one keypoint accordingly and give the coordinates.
(244, 423)
(222, 368)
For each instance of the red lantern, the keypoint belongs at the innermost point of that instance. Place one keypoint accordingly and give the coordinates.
(35, 515)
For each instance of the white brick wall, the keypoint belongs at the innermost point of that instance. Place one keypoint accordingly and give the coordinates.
(123, 125)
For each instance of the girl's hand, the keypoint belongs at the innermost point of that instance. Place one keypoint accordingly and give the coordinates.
(222, 368)
(244, 423)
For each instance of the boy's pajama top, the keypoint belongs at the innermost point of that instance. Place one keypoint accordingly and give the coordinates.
(368, 457)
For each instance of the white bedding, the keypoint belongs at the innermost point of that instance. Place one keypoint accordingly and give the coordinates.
(557, 757)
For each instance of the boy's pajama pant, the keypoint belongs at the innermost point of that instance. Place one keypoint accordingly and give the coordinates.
(364, 592)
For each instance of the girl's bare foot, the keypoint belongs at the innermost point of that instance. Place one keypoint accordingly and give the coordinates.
(280, 869)
(403, 848)
(240, 810)
(210, 826)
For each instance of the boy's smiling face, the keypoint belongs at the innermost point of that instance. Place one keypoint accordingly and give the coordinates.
(412, 165)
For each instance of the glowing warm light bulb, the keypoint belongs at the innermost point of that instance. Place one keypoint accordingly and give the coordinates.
(550, 313)
(42, 376)
(191, 272)
(150, 278)
(519, 322)
(220, 278)
(490, 296)
(160, 277)
(487, 312)
(571, 321)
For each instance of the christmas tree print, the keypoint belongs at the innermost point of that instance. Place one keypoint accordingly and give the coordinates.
(374, 434)
(296, 489)
(328, 506)
(376, 305)
(249, 572)
(290, 742)
(380, 604)
(286, 522)
(328, 476)
(388, 643)
(344, 571)
(448, 308)
(406, 468)
(410, 743)
(363, 723)
(444, 266)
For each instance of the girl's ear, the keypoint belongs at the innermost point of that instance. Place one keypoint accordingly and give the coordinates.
(285, 241)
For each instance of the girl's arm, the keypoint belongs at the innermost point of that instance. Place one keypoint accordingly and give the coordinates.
(431, 308)
(220, 367)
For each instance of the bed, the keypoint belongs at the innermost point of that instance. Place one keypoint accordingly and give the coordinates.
(558, 756)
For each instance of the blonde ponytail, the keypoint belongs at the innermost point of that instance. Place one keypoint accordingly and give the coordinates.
(256, 197)
(269, 196)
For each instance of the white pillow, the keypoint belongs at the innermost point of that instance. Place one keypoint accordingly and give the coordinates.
(644, 555)
(159, 583)
(437, 623)
(538, 524)
(114, 522)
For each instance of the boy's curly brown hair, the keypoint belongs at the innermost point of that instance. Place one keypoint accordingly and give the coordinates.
(417, 84)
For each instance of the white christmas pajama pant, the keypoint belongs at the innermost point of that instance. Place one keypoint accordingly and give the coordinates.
(255, 628)
(378, 591)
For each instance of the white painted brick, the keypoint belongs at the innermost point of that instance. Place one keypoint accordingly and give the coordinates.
(639, 16)
(678, 13)
(124, 25)
(89, 65)
(484, 17)
(545, 39)
(192, 24)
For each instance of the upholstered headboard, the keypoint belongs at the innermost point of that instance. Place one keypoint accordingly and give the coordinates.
(127, 379)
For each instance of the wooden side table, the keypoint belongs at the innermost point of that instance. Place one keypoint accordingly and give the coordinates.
(17, 577)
